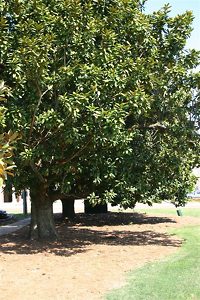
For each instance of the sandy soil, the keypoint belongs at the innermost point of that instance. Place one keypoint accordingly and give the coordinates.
(91, 257)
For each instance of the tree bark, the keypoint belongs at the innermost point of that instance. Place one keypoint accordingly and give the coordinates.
(97, 209)
(8, 192)
(68, 208)
(42, 225)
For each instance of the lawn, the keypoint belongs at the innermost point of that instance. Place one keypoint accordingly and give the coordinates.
(192, 212)
(177, 277)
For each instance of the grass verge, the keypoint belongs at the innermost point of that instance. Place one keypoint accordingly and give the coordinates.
(176, 278)
(18, 217)
(192, 212)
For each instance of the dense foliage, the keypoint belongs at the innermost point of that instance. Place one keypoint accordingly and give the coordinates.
(105, 98)
(7, 140)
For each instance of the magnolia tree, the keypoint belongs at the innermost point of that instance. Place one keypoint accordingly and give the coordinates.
(7, 140)
(104, 98)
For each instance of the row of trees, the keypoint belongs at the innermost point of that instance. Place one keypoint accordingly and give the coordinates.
(105, 99)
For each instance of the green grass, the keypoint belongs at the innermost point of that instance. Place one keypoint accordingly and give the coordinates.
(19, 217)
(193, 212)
(177, 277)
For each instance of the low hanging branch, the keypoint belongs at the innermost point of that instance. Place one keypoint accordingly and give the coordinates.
(57, 195)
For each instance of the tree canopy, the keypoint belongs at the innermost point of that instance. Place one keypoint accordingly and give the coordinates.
(7, 140)
(105, 98)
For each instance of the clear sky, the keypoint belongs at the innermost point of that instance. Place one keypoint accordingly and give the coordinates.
(179, 7)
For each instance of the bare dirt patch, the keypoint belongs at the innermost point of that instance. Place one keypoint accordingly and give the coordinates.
(91, 257)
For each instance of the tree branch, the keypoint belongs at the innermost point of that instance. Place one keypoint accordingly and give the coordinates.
(75, 154)
(56, 195)
(41, 95)
(35, 170)
(151, 126)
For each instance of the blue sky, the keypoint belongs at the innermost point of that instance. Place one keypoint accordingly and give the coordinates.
(179, 7)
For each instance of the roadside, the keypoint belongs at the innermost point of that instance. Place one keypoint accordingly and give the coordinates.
(12, 227)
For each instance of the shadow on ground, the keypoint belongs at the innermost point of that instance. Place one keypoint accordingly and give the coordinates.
(118, 219)
(86, 230)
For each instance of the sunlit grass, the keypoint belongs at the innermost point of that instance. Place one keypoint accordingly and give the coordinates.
(176, 277)
(193, 212)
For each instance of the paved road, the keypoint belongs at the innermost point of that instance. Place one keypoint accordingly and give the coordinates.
(6, 229)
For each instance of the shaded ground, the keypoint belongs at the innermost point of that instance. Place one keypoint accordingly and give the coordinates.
(91, 257)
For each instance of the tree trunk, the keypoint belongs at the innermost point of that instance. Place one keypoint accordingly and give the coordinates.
(8, 192)
(42, 222)
(97, 209)
(68, 208)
